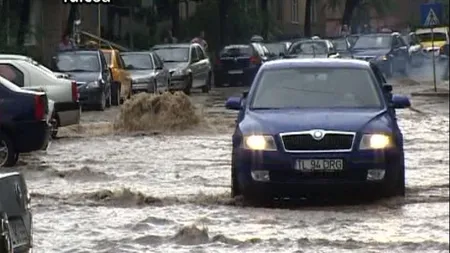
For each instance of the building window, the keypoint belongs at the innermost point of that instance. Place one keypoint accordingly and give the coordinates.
(294, 11)
(280, 10)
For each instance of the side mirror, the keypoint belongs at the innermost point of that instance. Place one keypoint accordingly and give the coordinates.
(234, 103)
(400, 102)
(387, 87)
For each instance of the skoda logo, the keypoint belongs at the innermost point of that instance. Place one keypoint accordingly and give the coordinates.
(318, 134)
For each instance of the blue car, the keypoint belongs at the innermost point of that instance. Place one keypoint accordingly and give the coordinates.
(317, 126)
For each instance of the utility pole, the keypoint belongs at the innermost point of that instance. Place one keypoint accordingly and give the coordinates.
(99, 28)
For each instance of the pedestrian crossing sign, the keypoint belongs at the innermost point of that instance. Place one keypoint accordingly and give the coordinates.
(431, 14)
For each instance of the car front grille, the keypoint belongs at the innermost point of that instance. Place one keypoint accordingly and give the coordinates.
(330, 142)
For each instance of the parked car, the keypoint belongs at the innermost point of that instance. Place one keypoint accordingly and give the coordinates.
(350, 122)
(23, 122)
(16, 220)
(343, 47)
(120, 75)
(31, 60)
(278, 49)
(188, 65)
(26, 73)
(316, 48)
(415, 49)
(388, 51)
(238, 64)
(88, 67)
(352, 38)
(147, 70)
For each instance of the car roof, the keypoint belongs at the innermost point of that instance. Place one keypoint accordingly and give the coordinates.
(183, 45)
(316, 63)
(136, 52)
(14, 57)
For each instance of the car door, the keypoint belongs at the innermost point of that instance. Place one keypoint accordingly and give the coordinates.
(106, 74)
(157, 69)
(164, 72)
(125, 78)
(204, 64)
(195, 66)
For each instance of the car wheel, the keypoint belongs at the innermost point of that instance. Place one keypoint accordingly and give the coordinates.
(234, 184)
(54, 123)
(6, 245)
(109, 99)
(207, 86)
(394, 184)
(187, 89)
(115, 94)
(102, 102)
(8, 156)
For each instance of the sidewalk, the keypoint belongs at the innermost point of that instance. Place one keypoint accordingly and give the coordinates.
(441, 91)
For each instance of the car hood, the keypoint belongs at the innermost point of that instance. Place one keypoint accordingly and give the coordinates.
(175, 65)
(141, 73)
(306, 56)
(83, 77)
(278, 121)
(370, 52)
(437, 44)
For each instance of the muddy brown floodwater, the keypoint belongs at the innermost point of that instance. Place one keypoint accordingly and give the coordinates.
(95, 191)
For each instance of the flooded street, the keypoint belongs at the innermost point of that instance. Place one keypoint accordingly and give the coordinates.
(94, 191)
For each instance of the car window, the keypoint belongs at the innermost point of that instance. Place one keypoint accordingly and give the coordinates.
(373, 42)
(319, 87)
(173, 54)
(77, 62)
(236, 50)
(309, 47)
(137, 61)
(12, 74)
(276, 48)
(9, 85)
(121, 63)
(426, 37)
(194, 55)
(200, 53)
(107, 57)
(158, 60)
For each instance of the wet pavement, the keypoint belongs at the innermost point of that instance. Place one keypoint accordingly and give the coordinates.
(94, 191)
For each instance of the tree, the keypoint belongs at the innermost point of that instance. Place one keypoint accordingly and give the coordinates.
(265, 15)
(24, 21)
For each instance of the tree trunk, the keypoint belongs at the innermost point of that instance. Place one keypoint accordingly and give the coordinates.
(265, 18)
(223, 13)
(24, 22)
(350, 6)
(307, 23)
(175, 16)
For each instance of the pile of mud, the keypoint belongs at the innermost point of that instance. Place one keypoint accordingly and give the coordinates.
(157, 113)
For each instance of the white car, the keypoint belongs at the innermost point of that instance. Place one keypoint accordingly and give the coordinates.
(28, 74)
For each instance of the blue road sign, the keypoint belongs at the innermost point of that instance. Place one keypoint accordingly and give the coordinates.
(431, 14)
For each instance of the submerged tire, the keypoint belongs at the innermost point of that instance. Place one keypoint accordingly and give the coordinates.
(7, 152)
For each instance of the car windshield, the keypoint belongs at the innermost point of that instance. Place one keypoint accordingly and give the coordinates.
(316, 88)
(137, 61)
(173, 54)
(340, 45)
(78, 62)
(236, 50)
(427, 37)
(373, 42)
(9, 85)
(276, 48)
(309, 47)
(107, 57)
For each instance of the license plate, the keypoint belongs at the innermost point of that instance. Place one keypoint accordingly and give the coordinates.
(235, 72)
(19, 234)
(320, 165)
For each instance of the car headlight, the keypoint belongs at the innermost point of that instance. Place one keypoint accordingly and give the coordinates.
(260, 142)
(179, 72)
(94, 84)
(375, 141)
(382, 58)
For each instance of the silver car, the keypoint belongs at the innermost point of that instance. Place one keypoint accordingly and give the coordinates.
(147, 70)
(188, 64)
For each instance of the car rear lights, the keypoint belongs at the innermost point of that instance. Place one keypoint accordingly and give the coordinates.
(75, 94)
(39, 108)
(255, 60)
